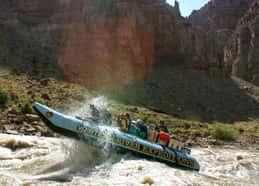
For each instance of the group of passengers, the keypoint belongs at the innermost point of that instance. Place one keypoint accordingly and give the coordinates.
(139, 128)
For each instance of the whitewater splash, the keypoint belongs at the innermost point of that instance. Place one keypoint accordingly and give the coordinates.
(50, 161)
(100, 102)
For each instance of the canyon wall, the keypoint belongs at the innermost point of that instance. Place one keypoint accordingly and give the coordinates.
(219, 15)
(219, 18)
(233, 24)
(109, 43)
(242, 52)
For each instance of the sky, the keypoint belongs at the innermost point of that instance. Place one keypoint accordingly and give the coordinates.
(187, 6)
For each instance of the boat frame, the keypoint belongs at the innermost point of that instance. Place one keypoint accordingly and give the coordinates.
(110, 138)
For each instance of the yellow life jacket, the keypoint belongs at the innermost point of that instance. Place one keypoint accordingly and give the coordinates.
(124, 124)
(161, 129)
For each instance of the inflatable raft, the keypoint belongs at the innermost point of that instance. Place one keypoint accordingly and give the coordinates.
(112, 138)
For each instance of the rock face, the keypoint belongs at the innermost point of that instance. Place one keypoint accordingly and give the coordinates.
(107, 44)
(242, 52)
(121, 40)
(219, 19)
(234, 26)
(218, 15)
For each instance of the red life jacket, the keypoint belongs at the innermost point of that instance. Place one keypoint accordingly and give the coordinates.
(163, 138)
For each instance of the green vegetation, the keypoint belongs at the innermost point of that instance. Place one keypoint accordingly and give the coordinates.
(190, 129)
(26, 108)
(224, 132)
(184, 129)
(4, 98)
(241, 130)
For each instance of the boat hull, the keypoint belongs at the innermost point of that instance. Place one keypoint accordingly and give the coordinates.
(106, 137)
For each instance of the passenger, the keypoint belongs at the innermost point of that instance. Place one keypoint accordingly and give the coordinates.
(128, 120)
(106, 117)
(161, 127)
(152, 135)
(95, 113)
(133, 129)
(119, 120)
(163, 138)
(142, 127)
(123, 122)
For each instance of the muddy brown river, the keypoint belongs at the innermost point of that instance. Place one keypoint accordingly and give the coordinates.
(26, 160)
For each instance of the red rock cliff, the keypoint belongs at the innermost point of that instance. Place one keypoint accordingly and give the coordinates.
(106, 44)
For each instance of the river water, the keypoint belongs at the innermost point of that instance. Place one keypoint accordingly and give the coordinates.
(26, 160)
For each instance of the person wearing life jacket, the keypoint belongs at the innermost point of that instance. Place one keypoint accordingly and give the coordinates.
(119, 120)
(163, 138)
(142, 128)
(133, 129)
(128, 118)
(124, 122)
(161, 127)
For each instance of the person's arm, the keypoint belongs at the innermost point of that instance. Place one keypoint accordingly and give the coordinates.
(118, 122)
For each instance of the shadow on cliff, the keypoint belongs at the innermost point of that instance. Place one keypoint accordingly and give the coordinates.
(190, 95)
(24, 51)
(182, 93)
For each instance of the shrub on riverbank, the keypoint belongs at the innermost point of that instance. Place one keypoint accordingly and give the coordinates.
(224, 132)
(26, 108)
(4, 98)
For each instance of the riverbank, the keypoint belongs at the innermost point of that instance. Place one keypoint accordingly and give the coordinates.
(19, 92)
(195, 133)
(191, 132)
(17, 116)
